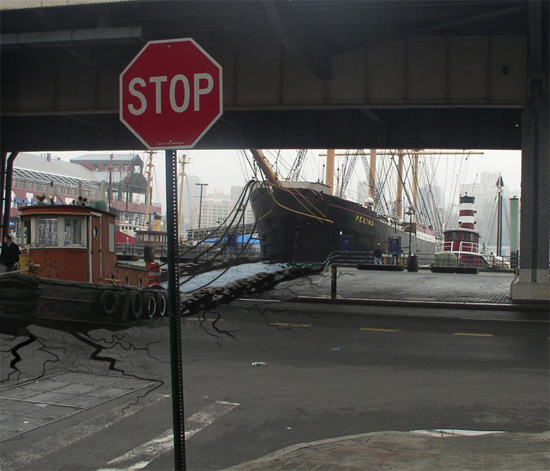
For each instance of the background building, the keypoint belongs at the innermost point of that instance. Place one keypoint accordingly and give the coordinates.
(46, 177)
(37, 176)
(216, 206)
(126, 184)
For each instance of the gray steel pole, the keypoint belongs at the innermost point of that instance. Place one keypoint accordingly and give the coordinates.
(176, 359)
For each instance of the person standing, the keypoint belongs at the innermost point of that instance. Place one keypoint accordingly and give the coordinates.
(378, 254)
(10, 254)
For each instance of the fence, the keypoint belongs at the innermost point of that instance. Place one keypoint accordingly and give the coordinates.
(487, 263)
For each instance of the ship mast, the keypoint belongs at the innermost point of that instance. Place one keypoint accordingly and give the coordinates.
(329, 171)
(500, 184)
(399, 196)
(372, 176)
(415, 185)
(261, 160)
(149, 177)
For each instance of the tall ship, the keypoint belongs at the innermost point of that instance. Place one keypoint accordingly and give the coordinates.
(299, 221)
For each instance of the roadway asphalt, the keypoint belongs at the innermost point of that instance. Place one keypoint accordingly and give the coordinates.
(422, 450)
(398, 450)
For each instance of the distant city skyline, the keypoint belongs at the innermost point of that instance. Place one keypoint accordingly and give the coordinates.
(223, 169)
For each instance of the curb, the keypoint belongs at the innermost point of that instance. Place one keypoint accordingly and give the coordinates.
(293, 448)
(533, 459)
(425, 304)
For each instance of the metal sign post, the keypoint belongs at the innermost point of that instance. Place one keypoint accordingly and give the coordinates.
(171, 94)
(174, 309)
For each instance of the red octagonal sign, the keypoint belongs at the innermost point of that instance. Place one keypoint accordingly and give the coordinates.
(171, 94)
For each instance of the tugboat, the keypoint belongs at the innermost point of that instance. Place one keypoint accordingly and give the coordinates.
(461, 244)
(69, 271)
(69, 277)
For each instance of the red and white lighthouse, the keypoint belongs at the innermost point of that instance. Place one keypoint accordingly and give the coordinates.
(466, 212)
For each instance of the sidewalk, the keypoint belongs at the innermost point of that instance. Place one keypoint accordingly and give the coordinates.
(484, 290)
(413, 451)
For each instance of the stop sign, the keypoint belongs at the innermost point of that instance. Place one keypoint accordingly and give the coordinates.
(171, 94)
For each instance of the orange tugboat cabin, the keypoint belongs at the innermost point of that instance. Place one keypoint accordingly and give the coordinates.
(76, 243)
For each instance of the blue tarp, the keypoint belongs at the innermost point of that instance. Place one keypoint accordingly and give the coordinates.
(253, 240)
(239, 240)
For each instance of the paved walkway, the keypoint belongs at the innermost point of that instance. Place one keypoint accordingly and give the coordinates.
(424, 286)
(402, 451)
(420, 289)
(36, 403)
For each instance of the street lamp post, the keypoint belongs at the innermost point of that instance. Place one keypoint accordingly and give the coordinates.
(200, 201)
(244, 220)
(241, 210)
(410, 213)
(412, 261)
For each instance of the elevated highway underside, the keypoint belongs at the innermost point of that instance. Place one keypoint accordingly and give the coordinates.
(315, 74)
(296, 74)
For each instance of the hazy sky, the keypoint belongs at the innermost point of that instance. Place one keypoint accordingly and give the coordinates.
(222, 169)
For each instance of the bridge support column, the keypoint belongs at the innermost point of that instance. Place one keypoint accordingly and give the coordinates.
(532, 283)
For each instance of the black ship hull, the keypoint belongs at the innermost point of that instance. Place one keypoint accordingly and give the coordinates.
(306, 225)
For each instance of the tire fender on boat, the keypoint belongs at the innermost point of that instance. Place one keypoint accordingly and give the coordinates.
(135, 304)
(149, 304)
(132, 306)
(107, 302)
(162, 304)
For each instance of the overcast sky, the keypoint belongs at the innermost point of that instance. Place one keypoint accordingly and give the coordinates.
(20, 4)
(222, 169)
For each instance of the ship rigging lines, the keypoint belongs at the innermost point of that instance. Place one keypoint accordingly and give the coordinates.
(402, 179)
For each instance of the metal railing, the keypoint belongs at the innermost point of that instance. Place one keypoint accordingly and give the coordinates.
(355, 258)
(463, 246)
(425, 261)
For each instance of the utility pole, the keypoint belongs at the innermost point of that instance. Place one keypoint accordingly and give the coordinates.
(182, 162)
(110, 180)
(149, 177)
(244, 217)
(127, 192)
(200, 201)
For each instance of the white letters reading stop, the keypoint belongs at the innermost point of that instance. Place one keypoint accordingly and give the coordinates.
(138, 83)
